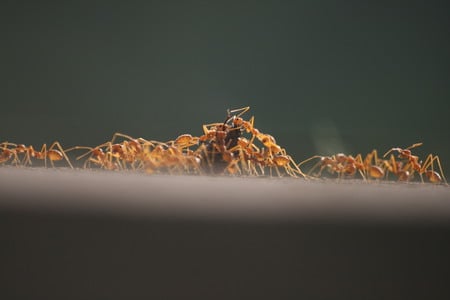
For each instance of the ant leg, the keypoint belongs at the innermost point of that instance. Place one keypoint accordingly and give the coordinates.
(270, 171)
(375, 157)
(27, 157)
(393, 165)
(6, 144)
(203, 152)
(87, 162)
(261, 168)
(233, 168)
(322, 167)
(44, 153)
(252, 121)
(78, 148)
(252, 167)
(414, 146)
(296, 168)
(390, 150)
(7, 153)
(287, 166)
(58, 145)
(309, 159)
(244, 165)
(109, 155)
(242, 110)
(440, 168)
(372, 156)
(118, 134)
(358, 159)
(368, 161)
(430, 162)
(278, 171)
(205, 129)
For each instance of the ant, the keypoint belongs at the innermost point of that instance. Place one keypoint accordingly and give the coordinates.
(343, 165)
(225, 134)
(136, 151)
(174, 157)
(6, 153)
(413, 160)
(399, 168)
(44, 154)
(274, 157)
(97, 156)
(404, 171)
(185, 141)
(285, 161)
(239, 124)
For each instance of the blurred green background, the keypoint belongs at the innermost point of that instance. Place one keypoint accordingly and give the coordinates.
(320, 76)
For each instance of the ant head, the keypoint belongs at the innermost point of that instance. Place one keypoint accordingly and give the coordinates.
(117, 148)
(97, 151)
(325, 160)
(237, 121)
(405, 153)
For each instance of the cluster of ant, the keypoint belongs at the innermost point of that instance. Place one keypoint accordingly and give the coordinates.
(231, 147)
(222, 149)
(402, 167)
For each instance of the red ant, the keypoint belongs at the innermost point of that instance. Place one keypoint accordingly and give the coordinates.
(414, 165)
(97, 156)
(6, 153)
(44, 154)
(339, 163)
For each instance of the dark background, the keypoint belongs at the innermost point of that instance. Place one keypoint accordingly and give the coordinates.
(320, 76)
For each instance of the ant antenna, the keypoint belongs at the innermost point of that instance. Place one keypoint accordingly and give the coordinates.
(241, 111)
(228, 118)
(414, 146)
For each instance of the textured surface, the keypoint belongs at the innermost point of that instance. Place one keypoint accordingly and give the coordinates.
(90, 234)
